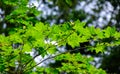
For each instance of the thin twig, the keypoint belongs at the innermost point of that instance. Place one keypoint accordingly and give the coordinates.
(43, 52)
(30, 61)
(53, 57)
(33, 58)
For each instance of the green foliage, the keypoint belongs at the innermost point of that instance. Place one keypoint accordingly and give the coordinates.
(73, 40)
(15, 48)
(17, 45)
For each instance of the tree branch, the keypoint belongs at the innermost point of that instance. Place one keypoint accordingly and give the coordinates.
(33, 58)
(52, 57)
(30, 61)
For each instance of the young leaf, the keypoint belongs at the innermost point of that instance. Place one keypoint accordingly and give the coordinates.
(73, 40)
(27, 48)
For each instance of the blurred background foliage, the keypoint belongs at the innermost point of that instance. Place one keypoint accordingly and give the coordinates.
(99, 13)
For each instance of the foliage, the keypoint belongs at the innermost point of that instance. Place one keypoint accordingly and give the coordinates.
(29, 35)
(16, 48)
(16, 14)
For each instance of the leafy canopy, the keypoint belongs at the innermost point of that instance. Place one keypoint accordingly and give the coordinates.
(42, 39)
(16, 47)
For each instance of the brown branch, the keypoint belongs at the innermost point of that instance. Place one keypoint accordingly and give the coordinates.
(52, 57)
(33, 58)
(19, 69)
(30, 61)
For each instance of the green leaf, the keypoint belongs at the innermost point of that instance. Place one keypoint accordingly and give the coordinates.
(69, 2)
(107, 32)
(27, 48)
(78, 23)
(51, 71)
(99, 33)
(117, 35)
(52, 49)
(73, 40)
(92, 30)
(99, 47)
(16, 38)
(40, 27)
(86, 32)
(79, 26)
(39, 43)
(65, 27)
